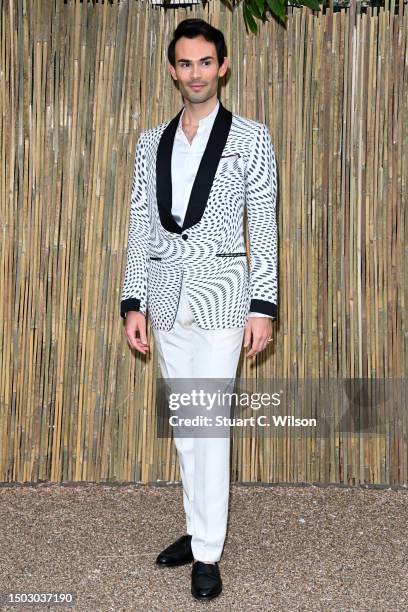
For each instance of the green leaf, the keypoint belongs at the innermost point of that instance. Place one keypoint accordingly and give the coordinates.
(277, 8)
(248, 18)
(253, 7)
(312, 4)
(261, 6)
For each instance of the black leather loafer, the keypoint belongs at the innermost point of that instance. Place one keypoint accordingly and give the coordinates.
(205, 580)
(178, 553)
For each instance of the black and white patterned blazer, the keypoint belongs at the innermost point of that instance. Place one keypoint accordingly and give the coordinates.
(238, 167)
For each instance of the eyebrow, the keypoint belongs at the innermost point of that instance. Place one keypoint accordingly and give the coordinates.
(200, 60)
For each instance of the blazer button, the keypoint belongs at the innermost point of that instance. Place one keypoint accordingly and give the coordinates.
(184, 236)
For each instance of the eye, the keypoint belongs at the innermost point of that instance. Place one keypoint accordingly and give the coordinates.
(186, 64)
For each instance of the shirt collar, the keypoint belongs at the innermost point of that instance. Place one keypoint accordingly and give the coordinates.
(205, 122)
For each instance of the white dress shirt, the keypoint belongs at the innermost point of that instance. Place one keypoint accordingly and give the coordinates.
(185, 160)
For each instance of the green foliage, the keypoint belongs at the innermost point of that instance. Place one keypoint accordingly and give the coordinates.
(262, 10)
(254, 10)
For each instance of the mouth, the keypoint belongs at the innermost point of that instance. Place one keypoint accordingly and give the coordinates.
(196, 87)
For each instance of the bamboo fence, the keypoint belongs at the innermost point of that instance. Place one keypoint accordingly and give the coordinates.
(78, 82)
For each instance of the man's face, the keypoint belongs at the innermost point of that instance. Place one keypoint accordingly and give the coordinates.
(197, 64)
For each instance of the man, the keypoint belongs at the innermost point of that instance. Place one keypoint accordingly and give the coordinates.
(187, 268)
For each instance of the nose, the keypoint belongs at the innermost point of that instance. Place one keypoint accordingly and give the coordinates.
(195, 71)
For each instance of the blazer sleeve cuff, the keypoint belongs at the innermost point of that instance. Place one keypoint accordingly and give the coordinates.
(268, 308)
(127, 305)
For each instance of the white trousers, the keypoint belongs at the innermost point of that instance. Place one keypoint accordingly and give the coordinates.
(187, 351)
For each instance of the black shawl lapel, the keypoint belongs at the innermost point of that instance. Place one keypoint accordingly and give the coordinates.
(205, 173)
(163, 176)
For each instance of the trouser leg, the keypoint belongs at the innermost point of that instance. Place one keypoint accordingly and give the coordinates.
(187, 351)
(175, 355)
(216, 357)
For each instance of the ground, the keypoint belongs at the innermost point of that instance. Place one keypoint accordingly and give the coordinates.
(287, 548)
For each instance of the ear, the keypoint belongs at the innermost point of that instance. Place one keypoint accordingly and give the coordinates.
(172, 71)
(224, 67)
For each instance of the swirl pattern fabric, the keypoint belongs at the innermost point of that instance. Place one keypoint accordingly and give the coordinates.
(238, 171)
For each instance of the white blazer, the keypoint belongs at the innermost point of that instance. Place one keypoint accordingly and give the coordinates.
(238, 168)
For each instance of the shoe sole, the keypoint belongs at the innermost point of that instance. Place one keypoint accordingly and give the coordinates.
(206, 597)
(159, 564)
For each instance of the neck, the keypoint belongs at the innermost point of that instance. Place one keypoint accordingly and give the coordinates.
(193, 112)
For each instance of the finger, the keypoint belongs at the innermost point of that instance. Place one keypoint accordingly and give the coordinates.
(142, 350)
(265, 344)
(247, 336)
(254, 348)
(259, 344)
(136, 342)
(142, 346)
(142, 333)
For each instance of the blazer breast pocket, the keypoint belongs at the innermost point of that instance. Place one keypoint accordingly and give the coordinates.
(230, 163)
(242, 254)
(230, 156)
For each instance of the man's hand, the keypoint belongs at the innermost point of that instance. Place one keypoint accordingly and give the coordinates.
(259, 330)
(136, 322)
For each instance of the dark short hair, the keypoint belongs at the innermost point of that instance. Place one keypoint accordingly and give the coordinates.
(191, 28)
